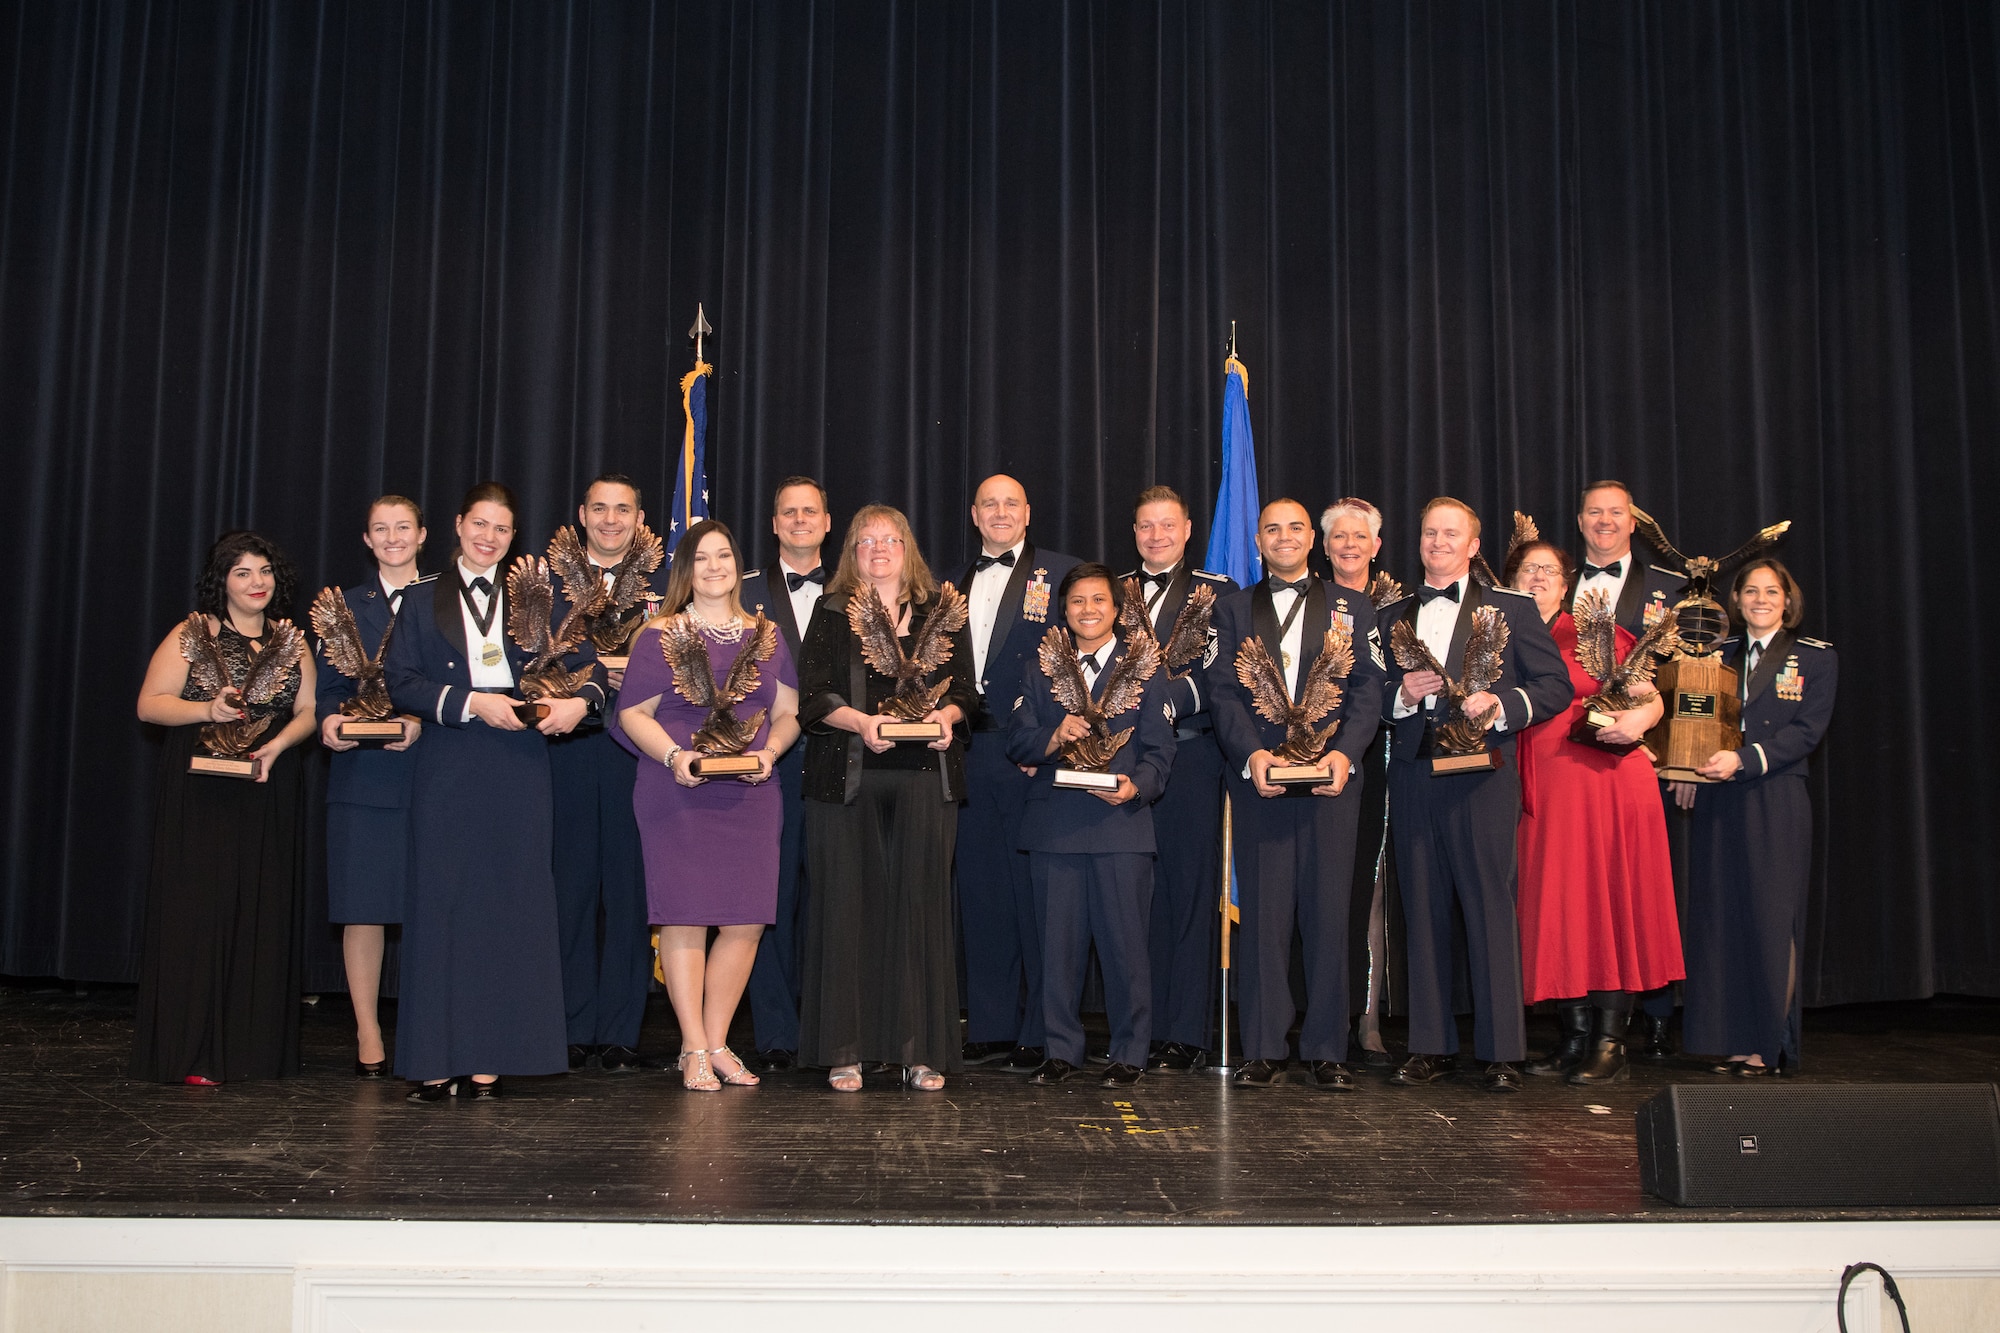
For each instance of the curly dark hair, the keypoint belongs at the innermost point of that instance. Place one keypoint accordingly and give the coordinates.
(210, 592)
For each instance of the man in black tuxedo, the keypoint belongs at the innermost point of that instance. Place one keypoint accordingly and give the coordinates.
(1010, 595)
(599, 872)
(1454, 832)
(1642, 594)
(1294, 849)
(1188, 818)
(788, 594)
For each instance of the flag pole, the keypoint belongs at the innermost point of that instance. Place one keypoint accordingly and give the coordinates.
(1222, 906)
(699, 330)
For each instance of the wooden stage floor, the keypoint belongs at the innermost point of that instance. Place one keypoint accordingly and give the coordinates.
(78, 1138)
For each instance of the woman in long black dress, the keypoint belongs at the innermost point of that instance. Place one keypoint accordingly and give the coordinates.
(368, 790)
(221, 960)
(880, 964)
(1751, 855)
(481, 982)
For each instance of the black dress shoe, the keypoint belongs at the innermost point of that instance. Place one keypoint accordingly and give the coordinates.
(1332, 1076)
(371, 1069)
(1500, 1077)
(986, 1052)
(431, 1092)
(1120, 1076)
(1179, 1056)
(1053, 1071)
(1259, 1074)
(479, 1092)
(775, 1061)
(1419, 1069)
(1727, 1067)
(578, 1055)
(1024, 1059)
(618, 1059)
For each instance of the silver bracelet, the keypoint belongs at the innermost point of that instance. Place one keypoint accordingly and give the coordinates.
(672, 750)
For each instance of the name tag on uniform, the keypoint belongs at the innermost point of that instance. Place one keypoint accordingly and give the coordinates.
(1035, 603)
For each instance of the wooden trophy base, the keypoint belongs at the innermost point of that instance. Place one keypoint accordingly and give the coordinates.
(384, 731)
(1479, 761)
(531, 713)
(1593, 721)
(1300, 776)
(1079, 780)
(225, 766)
(727, 766)
(912, 731)
(614, 661)
(1703, 716)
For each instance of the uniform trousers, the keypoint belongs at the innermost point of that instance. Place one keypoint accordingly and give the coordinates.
(1454, 839)
(1101, 898)
(600, 891)
(1187, 893)
(996, 900)
(774, 980)
(1294, 867)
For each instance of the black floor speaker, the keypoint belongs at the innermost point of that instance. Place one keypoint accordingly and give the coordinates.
(1858, 1145)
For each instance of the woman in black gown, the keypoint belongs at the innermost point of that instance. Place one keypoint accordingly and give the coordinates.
(221, 961)
(481, 981)
(880, 963)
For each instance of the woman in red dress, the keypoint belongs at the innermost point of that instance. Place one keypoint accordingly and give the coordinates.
(1597, 890)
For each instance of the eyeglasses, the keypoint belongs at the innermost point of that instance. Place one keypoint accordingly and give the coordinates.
(1553, 571)
(870, 543)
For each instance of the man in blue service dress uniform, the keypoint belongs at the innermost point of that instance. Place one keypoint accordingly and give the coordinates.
(1642, 593)
(787, 593)
(1090, 853)
(1010, 595)
(600, 876)
(1187, 823)
(1454, 832)
(1294, 849)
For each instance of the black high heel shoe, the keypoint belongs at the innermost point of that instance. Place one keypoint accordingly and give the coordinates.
(372, 1068)
(478, 1091)
(433, 1092)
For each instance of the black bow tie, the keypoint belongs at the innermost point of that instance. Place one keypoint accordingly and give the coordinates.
(986, 561)
(481, 586)
(1611, 570)
(395, 601)
(1156, 580)
(1427, 594)
(797, 581)
(1092, 665)
(1278, 585)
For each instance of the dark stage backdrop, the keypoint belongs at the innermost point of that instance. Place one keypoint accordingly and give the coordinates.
(261, 262)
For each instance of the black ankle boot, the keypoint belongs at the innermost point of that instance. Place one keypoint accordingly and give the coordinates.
(1573, 1021)
(1606, 1061)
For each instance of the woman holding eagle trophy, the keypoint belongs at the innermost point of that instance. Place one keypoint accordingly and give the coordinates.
(885, 682)
(711, 699)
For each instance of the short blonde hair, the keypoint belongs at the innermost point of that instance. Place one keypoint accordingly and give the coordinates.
(1351, 505)
(1442, 501)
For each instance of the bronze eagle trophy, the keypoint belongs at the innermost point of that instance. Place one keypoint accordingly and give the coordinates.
(1459, 744)
(1525, 531)
(723, 737)
(368, 717)
(1597, 650)
(874, 627)
(531, 600)
(1190, 634)
(626, 605)
(1304, 745)
(227, 745)
(1086, 761)
(1703, 622)
(1382, 590)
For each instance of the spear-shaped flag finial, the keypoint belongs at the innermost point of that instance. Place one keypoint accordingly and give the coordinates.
(699, 330)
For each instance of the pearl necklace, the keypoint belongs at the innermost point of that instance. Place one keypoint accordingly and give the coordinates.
(730, 633)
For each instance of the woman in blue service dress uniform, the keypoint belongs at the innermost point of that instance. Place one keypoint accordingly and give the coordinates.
(222, 954)
(1751, 851)
(368, 790)
(481, 984)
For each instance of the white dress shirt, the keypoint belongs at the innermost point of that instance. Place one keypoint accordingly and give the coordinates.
(1282, 600)
(1436, 619)
(499, 676)
(1158, 610)
(983, 604)
(1612, 588)
(805, 599)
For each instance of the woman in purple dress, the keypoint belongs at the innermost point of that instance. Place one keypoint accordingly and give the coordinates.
(711, 845)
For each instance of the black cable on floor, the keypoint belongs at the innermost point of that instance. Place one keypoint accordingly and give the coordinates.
(1853, 1271)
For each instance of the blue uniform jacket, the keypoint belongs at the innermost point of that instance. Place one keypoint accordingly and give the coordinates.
(1534, 682)
(367, 776)
(1027, 608)
(1252, 611)
(764, 593)
(1077, 821)
(1189, 703)
(1790, 702)
(427, 669)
